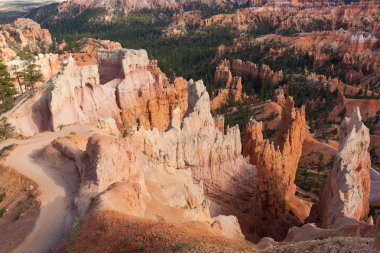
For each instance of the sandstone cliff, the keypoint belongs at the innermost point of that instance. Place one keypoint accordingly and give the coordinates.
(157, 175)
(213, 157)
(23, 33)
(276, 208)
(345, 196)
(125, 86)
(229, 78)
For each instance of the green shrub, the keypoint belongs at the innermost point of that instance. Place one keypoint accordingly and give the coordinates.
(140, 246)
(2, 212)
(180, 247)
(2, 196)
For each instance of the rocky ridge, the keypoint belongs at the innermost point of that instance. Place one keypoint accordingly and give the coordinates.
(345, 197)
(23, 33)
(276, 208)
(125, 86)
(229, 78)
(124, 174)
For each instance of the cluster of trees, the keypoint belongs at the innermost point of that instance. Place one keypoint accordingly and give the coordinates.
(372, 122)
(7, 89)
(316, 25)
(26, 76)
(189, 56)
(265, 26)
(6, 129)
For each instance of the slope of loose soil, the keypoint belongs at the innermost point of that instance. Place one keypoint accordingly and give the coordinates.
(19, 208)
(111, 231)
(336, 245)
(368, 107)
(312, 148)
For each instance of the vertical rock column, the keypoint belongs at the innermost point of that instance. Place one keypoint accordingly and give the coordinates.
(345, 196)
(276, 207)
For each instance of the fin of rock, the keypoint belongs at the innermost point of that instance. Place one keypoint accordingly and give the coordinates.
(276, 208)
(345, 197)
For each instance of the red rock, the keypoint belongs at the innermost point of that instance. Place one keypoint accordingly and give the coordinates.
(276, 208)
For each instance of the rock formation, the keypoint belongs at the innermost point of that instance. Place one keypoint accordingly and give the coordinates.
(229, 226)
(197, 144)
(91, 46)
(125, 86)
(248, 71)
(20, 34)
(154, 175)
(229, 77)
(255, 73)
(127, 6)
(345, 196)
(351, 17)
(276, 208)
(48, 64)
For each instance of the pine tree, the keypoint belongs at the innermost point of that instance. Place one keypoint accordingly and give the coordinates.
(6, 129)
(31, 74)
(18, 75)
(7, 90)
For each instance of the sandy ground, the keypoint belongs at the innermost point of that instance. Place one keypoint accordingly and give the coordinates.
(56, 217)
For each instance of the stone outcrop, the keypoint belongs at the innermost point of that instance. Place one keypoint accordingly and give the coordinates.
(193, 149)
(144, 93)
(248, 71)
(78, 97)
(345, 196)
(48, 64)
(255, 73)
(213, 157)
(123, 197)
(229, 80)
(155, 175)
(179, 22)
(127, 6)
(279, 96)
(276, 208)
(91, 46)
(229, 226)
(125, 86)
(353, 17)
(227, 86)
(23, 33)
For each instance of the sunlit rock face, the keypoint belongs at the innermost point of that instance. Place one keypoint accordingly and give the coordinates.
(125, 85)
(150, 174)
(276, 208)
(345, 196)
(24, 33)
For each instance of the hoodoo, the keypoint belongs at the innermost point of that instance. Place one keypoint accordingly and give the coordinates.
(276, 208)
(345, 197)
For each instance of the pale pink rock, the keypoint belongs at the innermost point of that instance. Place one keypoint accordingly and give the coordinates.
(228, 226)
(345, 196)
(25, 33)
